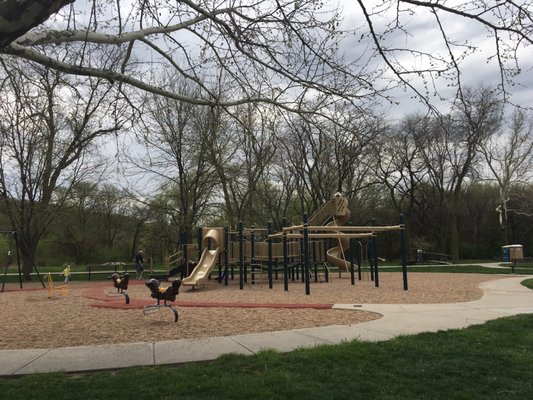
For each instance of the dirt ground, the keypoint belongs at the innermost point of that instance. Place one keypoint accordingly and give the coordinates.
(32, 320)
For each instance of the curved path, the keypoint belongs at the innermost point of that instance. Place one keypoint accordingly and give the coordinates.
(502, 297)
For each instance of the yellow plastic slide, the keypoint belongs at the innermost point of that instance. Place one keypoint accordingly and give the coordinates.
(208, 259)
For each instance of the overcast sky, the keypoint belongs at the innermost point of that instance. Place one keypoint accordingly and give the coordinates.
(424, 34)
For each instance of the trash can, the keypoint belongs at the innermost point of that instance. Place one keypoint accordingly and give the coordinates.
(512, 252)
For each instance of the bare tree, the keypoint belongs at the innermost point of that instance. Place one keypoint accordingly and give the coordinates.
(509, 156)
(174, 157)
(449, 148)
(45, 145)
(76, 220)
(326, 157)
(308, 151)
(219, 142)
(140, 213)
(276, 52)
(240, 146)
(398, 165)
(256, 144)
(111, 207)
(277, 187)
(498, 30)
(401, 168)
(521, 202)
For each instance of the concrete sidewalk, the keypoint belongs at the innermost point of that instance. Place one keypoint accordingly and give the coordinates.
(503, 297)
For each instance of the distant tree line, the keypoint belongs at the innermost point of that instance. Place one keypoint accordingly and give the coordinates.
(102, 224)
(462, 178)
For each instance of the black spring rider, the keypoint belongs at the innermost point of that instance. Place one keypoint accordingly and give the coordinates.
(162, 293)
(121, 283)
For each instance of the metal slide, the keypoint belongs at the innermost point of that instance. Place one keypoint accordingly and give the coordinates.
(207, 262)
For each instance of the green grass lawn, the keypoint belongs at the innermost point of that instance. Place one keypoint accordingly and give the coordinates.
(489, 361)
(528, 283)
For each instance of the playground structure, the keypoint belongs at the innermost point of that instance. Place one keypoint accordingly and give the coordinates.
(321, 244)
(64, 289)
(120, 282)
(165, 294)
(296, 252)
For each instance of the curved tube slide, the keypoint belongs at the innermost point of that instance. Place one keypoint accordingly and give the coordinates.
(340, 216)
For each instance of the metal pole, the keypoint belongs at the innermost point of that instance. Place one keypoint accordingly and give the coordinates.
(233, 248)
(252, 255)
(306, 255)
(370, 257)
(226, 254)
(241, 256)
(375, 251)
(326, 265)
(285, 260)
(359, 260)
(352, 257)
(402, 250)
(199, 242)
(185, 255)
(269, 231)
(315, 261)
(352, 261)
(18, 257)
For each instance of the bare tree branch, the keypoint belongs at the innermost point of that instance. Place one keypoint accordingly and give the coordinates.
(281, 52)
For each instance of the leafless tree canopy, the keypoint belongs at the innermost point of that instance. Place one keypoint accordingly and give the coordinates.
(271, 51)
(49, 126)
(281, 52)
(421, 47)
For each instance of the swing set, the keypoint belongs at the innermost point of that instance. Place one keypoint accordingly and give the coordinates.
(14, 237)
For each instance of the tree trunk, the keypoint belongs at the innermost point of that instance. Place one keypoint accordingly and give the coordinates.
(19, 16)
(136, 239)
(503, 227)
(27, 253)
(454, 238)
